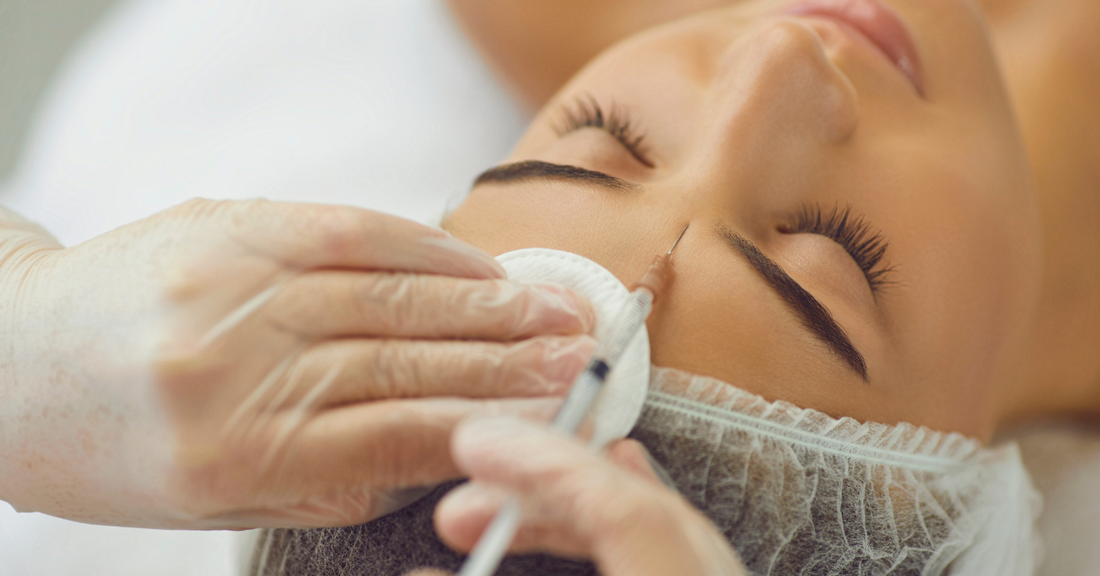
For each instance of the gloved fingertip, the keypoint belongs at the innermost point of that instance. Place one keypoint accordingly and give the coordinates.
(565, 359)
(470, 502)
(463, 514)
(471, 260)
(563, 309)
(485, 445)
(481, 430)
(586, 312)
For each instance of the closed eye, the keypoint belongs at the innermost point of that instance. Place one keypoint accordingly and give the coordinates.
(585, 112)
(863, 243)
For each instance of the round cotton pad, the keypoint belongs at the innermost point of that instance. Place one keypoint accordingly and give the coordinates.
(620, 403)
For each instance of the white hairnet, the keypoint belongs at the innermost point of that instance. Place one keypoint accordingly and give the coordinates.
(796, 492)
(799, 492)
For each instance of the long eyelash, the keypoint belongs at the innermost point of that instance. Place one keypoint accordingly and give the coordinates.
(866, 245)
(585, 112)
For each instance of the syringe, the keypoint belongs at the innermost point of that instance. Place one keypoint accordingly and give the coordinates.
(494, 542)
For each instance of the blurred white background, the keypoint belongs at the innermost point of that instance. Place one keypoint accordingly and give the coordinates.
(35, 35)
(119, 110)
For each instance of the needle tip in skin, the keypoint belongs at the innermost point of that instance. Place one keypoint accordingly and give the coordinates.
(659, 272)
(677, 242)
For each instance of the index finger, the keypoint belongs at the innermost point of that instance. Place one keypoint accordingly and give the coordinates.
(576, 503)
(306, 236)
(400, 305)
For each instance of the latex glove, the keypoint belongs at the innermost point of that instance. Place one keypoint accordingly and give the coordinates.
(612, 510)
(242, 364)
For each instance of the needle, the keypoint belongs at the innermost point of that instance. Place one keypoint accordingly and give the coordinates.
(677, 242)
(656, 276)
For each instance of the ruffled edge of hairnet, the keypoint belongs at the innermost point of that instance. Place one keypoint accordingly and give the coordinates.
(903, 444)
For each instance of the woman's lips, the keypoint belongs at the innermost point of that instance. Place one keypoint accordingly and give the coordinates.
(878, 23)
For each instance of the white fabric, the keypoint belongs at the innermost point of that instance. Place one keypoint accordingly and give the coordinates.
(799, 492)
(376, 103)
(621, 399)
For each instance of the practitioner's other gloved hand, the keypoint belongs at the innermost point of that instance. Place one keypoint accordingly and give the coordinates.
(241, 364)
(613, 510)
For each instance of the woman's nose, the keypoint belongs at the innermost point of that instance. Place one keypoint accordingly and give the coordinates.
(777, 80)
(775, 108)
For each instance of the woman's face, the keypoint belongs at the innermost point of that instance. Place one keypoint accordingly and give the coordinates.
(761, 126)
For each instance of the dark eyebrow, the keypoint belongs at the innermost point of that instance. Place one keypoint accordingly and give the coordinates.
(814, 316)
(529, 169)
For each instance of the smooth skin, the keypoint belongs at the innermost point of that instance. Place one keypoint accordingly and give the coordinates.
(250, 364)
(1047, 54)
(749, 115)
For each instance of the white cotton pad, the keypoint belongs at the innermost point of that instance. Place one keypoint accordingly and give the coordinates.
(620, 403)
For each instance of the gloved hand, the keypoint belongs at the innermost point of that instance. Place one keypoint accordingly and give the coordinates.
(613, 510)
(243, 364)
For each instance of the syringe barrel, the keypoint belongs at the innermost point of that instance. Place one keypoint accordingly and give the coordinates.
(627, 323)
(656, 276)
(609, 350)
(577, 404)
